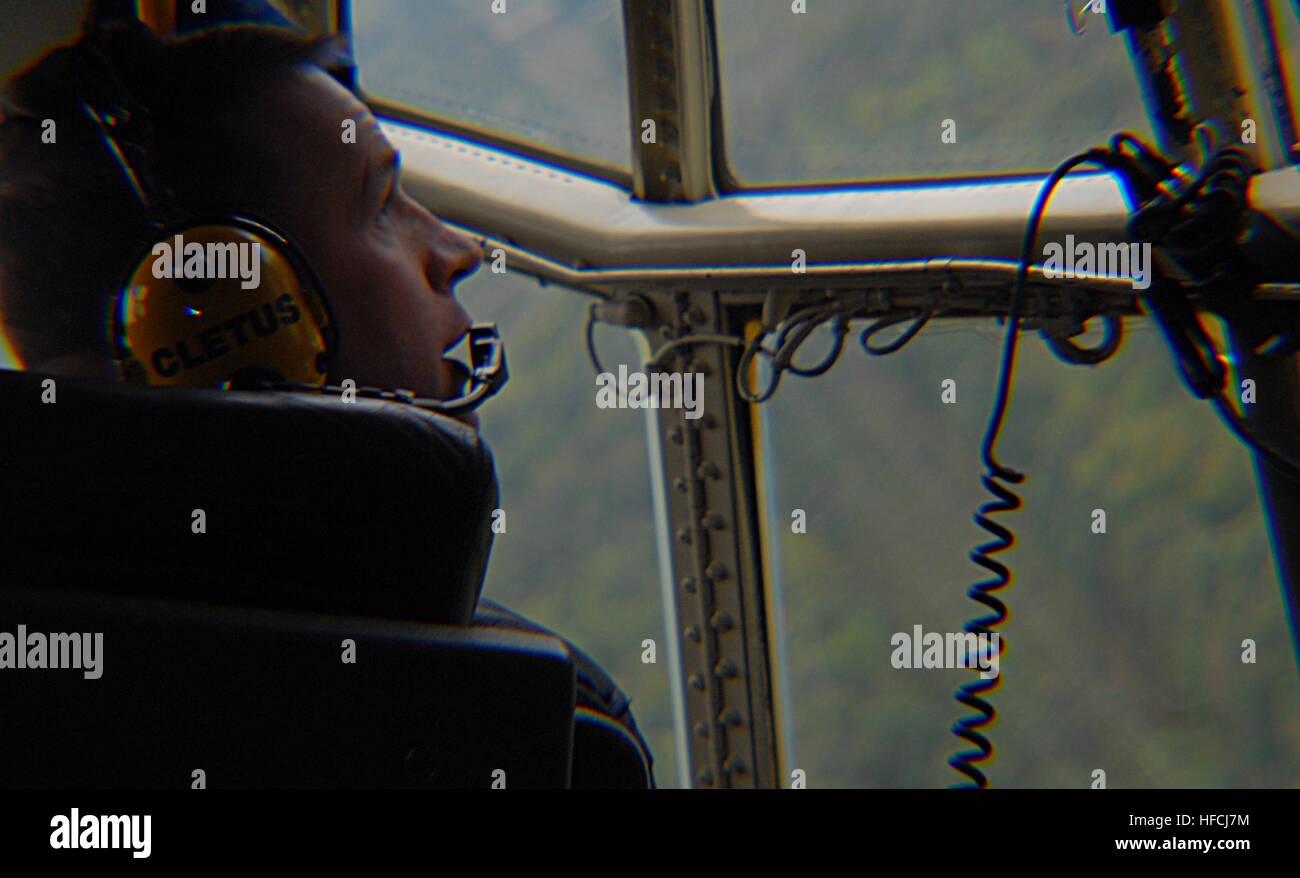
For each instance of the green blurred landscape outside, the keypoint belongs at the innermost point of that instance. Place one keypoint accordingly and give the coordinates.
(1123, 649)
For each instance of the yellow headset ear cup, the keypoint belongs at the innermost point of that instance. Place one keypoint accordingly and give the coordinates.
(208, 302)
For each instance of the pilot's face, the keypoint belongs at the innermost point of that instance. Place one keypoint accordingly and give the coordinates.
(388, 265)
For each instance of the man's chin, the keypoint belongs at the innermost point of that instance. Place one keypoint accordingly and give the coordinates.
(470, 418)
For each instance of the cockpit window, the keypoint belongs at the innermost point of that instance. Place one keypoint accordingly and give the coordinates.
(854, 90)
(552, 72)
(1123, 647)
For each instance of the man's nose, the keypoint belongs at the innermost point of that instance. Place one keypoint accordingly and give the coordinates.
(452, 256)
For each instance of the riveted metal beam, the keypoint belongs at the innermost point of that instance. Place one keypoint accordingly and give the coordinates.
(672, 81)
(724, 636)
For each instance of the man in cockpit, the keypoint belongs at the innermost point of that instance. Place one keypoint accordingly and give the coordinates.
(243, 118)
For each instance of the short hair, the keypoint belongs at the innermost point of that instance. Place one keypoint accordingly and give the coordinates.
(69, 219)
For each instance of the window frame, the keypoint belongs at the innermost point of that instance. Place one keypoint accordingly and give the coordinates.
(681, 225)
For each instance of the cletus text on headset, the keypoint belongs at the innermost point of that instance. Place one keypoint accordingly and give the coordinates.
(178, 259)
(222, 338)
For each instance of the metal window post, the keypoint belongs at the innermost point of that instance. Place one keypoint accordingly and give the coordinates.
(1217, 60)
(724, 628)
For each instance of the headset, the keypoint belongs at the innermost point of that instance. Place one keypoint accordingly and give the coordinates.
(227, 300)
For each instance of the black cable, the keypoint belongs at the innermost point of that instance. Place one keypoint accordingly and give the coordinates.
(1099, 156)
(695, 338)
(1220, 195)
(1206, 140)
(796, 331)
(591, 341)
(841, 329)
(753, 347)
(1287, 464)
(804, 322)
(918, 323)
(1079, 356)
(792, 333)
(699, 338)
(790, 336)
(968, 728)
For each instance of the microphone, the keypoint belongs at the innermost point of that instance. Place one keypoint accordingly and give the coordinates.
(476, 383)
(486, 375)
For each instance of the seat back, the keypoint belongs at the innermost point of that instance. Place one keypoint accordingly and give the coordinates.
(257, 567)
(266, 699)
(299, 502)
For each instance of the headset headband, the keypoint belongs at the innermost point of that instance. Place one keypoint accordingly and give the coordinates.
(125, 127)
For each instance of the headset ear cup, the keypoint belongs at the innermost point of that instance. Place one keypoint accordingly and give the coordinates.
(171, 325)
(209, 301)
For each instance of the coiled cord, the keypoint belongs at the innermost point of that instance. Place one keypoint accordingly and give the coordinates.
(970, 694)
(1006, 500)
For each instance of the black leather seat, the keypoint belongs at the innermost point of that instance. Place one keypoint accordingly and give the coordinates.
(230, 698)
(310, 505)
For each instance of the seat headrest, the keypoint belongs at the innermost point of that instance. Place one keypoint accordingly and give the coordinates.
(309, 503)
